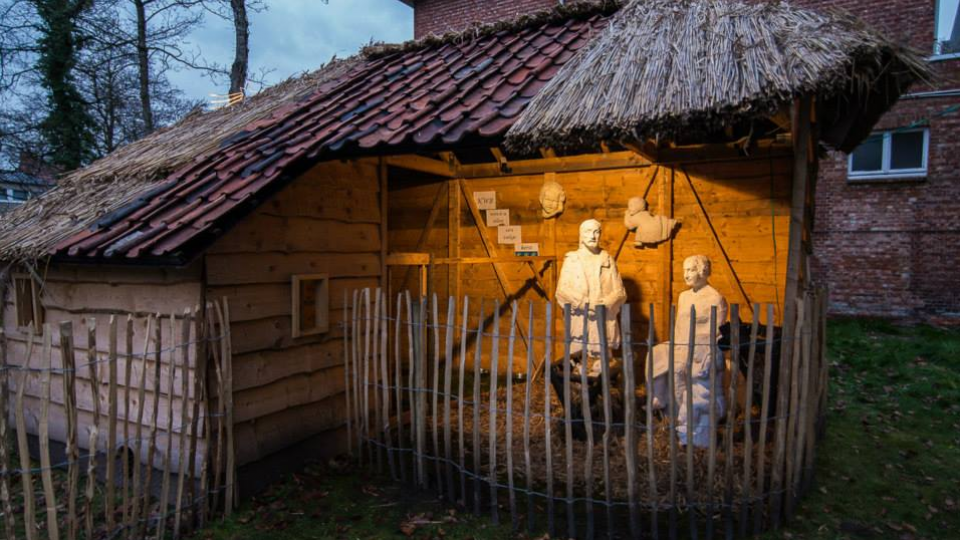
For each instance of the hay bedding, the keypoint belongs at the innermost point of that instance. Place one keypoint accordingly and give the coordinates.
(618, 464)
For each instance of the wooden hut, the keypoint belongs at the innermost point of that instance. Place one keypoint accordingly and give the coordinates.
(379, 170)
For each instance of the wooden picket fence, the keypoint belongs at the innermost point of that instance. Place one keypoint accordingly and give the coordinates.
(104, 483)
(616, 468)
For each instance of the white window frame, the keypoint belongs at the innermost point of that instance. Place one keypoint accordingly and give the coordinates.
(9, 198)
(886, 172)
(937, 55)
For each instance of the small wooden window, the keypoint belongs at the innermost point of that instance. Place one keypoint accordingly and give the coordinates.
(26, 294)
(311, 304)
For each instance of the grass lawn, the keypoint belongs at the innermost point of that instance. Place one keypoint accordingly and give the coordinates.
(888, 467)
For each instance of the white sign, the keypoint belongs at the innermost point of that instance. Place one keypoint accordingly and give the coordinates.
(527, 249)
(496, 218)
(486, 200)
(508, 234)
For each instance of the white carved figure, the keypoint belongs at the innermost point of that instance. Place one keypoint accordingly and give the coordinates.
(650, 229)
(552, 199)
(588, 278)
(706, 355)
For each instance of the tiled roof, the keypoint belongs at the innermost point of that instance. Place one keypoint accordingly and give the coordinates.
(430, 97)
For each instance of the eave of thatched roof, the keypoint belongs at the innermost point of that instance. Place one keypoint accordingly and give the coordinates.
(665, 67)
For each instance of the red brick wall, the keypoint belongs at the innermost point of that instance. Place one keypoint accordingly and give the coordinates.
(441, 16)
(892, 248)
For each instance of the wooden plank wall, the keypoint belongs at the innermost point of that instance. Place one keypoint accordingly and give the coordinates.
(327, 221)
(81, 293)
(746, 201)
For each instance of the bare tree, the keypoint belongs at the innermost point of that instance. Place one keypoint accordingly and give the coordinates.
(241, 59)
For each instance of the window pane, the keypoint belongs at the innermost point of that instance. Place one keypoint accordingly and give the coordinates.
(869, 155)
(906, 150)
(948, 31)
(19, 195)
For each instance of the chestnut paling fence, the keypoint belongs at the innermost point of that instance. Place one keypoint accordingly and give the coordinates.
(147, 438)
(578, 454)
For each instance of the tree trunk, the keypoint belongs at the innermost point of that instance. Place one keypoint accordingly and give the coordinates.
(143, 60)
(238, 72)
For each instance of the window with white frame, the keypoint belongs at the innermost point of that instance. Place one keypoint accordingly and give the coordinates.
(16, 196)
(890, 154)
(947, 41)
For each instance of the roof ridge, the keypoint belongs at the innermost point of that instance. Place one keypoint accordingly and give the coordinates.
(574, 10)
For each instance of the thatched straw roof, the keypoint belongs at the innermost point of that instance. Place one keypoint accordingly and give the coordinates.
(664, 66)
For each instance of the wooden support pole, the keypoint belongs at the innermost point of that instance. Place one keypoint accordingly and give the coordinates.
(26, 468)
(46, 472)
(110, 506)
(94, 370)
(425, 235)
(665, 251)
(73, 448)
(6, 505)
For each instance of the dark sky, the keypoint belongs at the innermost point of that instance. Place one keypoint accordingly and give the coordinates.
(294, 36)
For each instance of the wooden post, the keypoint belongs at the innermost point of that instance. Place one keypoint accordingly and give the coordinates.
(434, 409)
(673, 408)
(477, 403)
(568, 423)
(382, 176)
(355, 342)
(94, 370)
(398, 391)
(384, 314)
(492, 415)
(460, 396)
(747, 494)
(365, 394)
(688, 381)
(46, 472)
(73, 449)
(547, 362)
(607, 414)
(5, 472)
(526, 423)
(453, 238)
(447, 381)
(764, 414)
(411, 395)
(226, 342)
(794, 416)
(26, 476)
(110, 507)
(127, 388)
(783, 411)
(184, 421)
(665, 208)
(221, 406)
(197, 516)
(509, 415)
(587, 422)
(629, 420)
(712, 457)
(167, 458)
(154, 420)
(728, 473)
(374, 382)
(133, 526)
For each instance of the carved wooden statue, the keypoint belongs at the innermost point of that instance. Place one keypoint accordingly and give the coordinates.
(650, 229)
(706, 355)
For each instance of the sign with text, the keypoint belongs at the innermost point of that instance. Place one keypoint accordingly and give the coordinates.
(527, 249)
(496, 218)
(508, 234)
(486, 200)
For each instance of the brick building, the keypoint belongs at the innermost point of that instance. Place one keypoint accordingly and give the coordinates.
(888, 218)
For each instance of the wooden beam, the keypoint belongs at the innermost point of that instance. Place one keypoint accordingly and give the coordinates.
(647, 150)
(408, 259)
(501, 159)
(453, 238)
(665, 208)
(586, 162)
(490, 260)
(548, 153)
(422, 164)
(732, 278)
(798, 198)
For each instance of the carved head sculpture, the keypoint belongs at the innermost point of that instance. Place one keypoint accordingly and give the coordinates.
(696, 270)
(636, 205)
(590, 235)
(552, 199)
